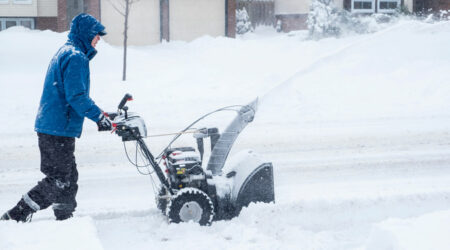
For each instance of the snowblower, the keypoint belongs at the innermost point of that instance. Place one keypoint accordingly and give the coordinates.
(188, 191)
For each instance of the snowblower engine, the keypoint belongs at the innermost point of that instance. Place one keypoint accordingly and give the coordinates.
(184, 167)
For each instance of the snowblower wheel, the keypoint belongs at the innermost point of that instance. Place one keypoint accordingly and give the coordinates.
(191, 204)
(161, 202)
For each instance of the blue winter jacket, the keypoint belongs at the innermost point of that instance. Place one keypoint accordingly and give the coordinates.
(65, 99)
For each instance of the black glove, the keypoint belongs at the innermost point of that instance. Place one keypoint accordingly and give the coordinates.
(104, 124)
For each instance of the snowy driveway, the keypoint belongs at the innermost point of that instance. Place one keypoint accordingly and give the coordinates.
(358, 130)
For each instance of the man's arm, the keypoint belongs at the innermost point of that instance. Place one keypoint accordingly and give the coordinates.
(75, 81)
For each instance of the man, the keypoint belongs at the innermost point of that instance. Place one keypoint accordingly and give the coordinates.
(65, 102)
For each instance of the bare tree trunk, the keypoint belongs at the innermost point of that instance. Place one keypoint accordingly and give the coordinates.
(119, 7)
(125, 39)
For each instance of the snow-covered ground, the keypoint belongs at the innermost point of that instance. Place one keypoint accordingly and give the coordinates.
(358, 130)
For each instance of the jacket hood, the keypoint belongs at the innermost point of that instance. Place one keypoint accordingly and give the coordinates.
(83, 29)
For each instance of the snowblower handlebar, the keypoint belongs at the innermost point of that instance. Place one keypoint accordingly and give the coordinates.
(124, 100)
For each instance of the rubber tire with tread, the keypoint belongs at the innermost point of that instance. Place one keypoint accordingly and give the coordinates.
(161, 203)
(186, 195)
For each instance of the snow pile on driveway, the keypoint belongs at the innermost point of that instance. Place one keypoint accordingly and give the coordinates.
(75, 234)
(399, 72)
(429, 231)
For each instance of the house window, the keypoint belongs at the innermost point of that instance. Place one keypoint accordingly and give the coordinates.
(388, 6)
(363, 6)
(10, 22)
(27, 24)
(23, 1)
(360, 5)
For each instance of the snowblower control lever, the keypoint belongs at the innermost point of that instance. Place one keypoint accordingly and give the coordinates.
(126, 98)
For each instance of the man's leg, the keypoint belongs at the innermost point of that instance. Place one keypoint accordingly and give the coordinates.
(58, 164)
(65, 203)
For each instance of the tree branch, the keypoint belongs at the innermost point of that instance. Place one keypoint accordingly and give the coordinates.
(121, 4)
(115, 7)
(133, 1)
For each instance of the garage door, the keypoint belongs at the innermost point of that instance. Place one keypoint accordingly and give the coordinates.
(143, 28)
(190, 19)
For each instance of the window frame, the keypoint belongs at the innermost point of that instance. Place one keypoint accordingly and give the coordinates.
(388, 10)
(371, 10)
(23, 1)
(18, 21)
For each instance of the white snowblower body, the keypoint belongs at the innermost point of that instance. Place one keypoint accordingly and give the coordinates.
(188, 192)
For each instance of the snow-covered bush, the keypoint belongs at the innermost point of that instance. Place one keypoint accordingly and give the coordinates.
(322, 19)
(325, 20)
(278, 26)
(444, 14)
(361, 24)
(243, 24)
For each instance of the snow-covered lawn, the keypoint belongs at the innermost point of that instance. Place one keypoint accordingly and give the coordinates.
(358, 130)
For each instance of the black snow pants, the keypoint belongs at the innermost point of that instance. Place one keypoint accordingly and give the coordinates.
(59, 187)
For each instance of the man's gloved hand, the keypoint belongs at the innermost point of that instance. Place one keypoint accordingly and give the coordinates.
(104, 124)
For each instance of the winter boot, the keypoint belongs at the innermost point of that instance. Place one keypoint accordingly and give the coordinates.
(63, 211)
(20, 213)
(5, 216)
(64, 216)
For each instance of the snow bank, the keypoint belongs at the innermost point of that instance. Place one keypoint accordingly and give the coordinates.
(429, 231)
(380, 75)
(74, 234)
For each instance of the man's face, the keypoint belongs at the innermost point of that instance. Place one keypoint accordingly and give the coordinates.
(95, 41)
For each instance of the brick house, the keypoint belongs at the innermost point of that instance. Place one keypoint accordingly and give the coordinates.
(153, 21)
(44, 14)
(389, 6)
(289, 15)
(426, 6)
(150, 22)
(292, 14)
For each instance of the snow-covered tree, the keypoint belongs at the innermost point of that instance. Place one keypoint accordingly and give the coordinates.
(243, 24)
(323, 19)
